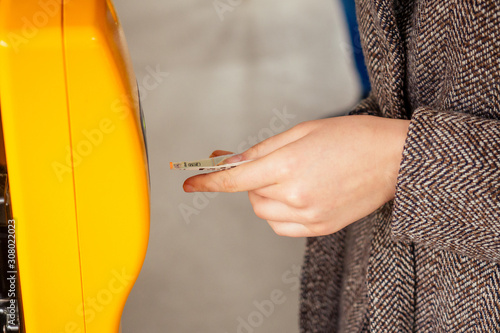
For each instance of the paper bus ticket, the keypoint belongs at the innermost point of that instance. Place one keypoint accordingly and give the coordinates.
(209, 164)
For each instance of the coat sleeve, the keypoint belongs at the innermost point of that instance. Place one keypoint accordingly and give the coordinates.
(448, 189)
(367, 106)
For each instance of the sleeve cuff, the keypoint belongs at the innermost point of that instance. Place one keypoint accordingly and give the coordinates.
(448, 189)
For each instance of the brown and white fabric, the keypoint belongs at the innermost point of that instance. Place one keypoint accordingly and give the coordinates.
(428, 261)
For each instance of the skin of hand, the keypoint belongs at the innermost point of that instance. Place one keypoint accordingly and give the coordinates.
(319, 176)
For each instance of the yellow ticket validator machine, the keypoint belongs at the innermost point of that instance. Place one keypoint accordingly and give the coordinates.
(73, 168)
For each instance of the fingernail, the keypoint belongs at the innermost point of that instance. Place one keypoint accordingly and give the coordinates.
(189, 188)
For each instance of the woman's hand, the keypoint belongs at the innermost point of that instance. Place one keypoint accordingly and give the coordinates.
(317, 177)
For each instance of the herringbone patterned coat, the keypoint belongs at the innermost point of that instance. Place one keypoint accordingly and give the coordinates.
(429, 261)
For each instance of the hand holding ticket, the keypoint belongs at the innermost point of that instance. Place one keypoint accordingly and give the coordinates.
(317, 177)
(217, 163)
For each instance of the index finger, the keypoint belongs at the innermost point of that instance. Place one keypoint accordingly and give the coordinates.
(246, 177)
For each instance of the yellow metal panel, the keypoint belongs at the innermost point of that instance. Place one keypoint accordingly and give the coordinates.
(110, 165)
(76, 162)
(36, 130)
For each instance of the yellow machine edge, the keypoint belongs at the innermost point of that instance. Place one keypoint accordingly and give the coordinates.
(76, 162)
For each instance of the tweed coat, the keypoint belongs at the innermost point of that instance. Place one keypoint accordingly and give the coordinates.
(428, 261)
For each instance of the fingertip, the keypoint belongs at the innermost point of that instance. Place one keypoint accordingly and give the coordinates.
(188, 188)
